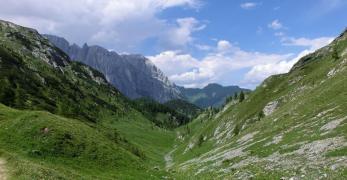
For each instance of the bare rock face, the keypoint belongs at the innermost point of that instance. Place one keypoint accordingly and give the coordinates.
(32, 42)
(134, 75)
(270, 108)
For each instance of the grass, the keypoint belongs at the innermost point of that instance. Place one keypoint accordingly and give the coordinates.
(302, 94)
(60, 141)
(67, 122)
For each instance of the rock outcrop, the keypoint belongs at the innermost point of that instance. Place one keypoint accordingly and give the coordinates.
(134, 75)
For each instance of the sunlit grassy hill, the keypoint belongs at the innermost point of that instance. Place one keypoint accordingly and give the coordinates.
(292, 126)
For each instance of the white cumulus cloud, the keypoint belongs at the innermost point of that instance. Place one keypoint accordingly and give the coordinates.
(275, 25)
(313, 44)
(115, 24)
(217, 66)
(261, 71)
(181, 35)
(227, 60)
(248, 5)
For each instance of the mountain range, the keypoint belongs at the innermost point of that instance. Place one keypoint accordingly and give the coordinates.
(136, 76)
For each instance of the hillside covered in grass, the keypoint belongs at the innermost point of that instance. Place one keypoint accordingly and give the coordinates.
(70, 122)
(293, 126)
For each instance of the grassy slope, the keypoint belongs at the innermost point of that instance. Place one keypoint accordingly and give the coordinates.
(68, 148)
(72, 149)
(308, 98)
(123, 136)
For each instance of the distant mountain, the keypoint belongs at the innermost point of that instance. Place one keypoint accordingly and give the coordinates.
(212, 95)
(137, 77)
(134, 75)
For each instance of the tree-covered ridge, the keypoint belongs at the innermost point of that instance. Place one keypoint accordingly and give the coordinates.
(212, 95)
(184, 107)
(160, 114)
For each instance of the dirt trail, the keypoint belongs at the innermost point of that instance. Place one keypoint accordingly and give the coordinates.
(2, 170)
(168, 159)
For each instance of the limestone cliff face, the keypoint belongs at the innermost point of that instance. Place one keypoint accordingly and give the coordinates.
(134, 75)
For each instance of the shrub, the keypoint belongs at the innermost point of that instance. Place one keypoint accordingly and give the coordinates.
(242, 96)
(200, 140)
(237, 129)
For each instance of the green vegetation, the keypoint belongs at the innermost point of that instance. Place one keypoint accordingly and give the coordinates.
(71, 124)
(161, 114)
(184, 107)
(291, 122)
(213, 95)
(242, 96)
(45, 144)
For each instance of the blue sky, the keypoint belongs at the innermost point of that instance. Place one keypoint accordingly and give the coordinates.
(195, 42)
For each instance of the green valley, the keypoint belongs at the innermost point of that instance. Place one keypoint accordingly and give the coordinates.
(61, 119)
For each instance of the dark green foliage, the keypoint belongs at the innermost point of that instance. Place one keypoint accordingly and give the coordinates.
(241, 97)
(187, 129)
(228, 99)
(237, 129)
(212, 95)
(200, 140)
(261, 115)
(235, 95)
(184, 107)
(136, 151)
(7, 94)
(168, 118)
(335, 54)
(49, 89)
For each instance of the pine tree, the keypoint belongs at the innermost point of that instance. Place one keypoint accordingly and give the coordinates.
(237, 129)
(242, 96)
(200, 140)
(335, 54)
(235, 96)
(261, 115)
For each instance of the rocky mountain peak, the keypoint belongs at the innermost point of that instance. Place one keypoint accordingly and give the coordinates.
(134, 75)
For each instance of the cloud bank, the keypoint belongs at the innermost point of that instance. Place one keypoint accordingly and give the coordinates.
(226, 60)
(116, 24)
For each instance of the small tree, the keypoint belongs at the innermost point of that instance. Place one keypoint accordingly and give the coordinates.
(228, 99)
(187, 129)
(235, 96)
(242, 96)
(261, 115)
(200, 140)
(237, 129)
(335, 54)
